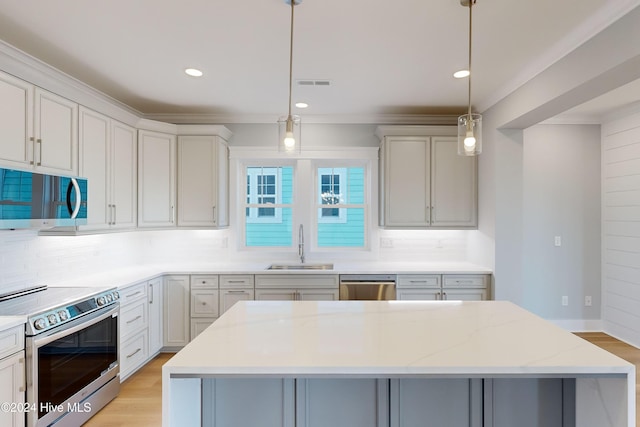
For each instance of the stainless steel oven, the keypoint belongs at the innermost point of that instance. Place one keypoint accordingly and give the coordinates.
(72, 354)
(368, 287)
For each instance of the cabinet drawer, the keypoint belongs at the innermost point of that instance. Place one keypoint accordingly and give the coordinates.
(466, 281)
(132, 293)
(418, 281)
(236, 281)
(297, 281)
(133, 318)
(11, 341)
(134, 352)
(204, 281)
(204, 303)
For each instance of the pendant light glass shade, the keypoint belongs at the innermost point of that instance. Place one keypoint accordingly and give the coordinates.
(470, 134)
(289, 134)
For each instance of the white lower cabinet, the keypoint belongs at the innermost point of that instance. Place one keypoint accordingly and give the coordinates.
(297, 287)
(204, 302)
(12, 376)
(463, 287)
(154, 297)
(234, 288)
(176, 328)
(134, 328)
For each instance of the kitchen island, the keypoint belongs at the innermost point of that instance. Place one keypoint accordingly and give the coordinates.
(394, 363)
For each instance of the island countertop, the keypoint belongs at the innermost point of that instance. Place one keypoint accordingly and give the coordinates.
(309, 357)
(388, 339)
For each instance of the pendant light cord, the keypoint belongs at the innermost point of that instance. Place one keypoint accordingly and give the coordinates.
(470, 75)
(291, 59)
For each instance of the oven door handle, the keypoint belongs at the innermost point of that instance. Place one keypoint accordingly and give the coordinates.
(75, 325)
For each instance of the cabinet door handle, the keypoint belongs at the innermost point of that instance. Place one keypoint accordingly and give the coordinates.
(33, 154)
(39, 141)
(214, 214)
(22, 387)
(173, 216)
(133, 294)
(236, 292)
(150, 293)
(438, 296)
(235, 281)
(115, 214)
(444, 295)
(134, 319)
(134, 353)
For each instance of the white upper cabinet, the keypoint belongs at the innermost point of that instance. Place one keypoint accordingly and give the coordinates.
(108, 159)
(202, 181)
(423, 181)
(156, 179)
(39, 129)
(453, 185)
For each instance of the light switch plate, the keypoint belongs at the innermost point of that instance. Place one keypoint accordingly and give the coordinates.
(558, 241)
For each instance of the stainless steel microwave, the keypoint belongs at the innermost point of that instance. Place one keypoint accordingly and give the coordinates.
(33, 200)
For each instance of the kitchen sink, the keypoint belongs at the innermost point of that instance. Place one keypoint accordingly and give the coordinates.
(300, 267)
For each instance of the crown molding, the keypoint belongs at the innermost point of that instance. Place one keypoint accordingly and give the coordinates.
(30, 69)
(399, 119)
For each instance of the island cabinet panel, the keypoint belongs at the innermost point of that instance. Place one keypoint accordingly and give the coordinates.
(264, 402)
(154, 296)
(444, 402)
(530, 402)
(342, 402)
(12, 386)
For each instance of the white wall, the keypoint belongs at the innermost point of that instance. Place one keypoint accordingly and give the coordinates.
(621, 227)
(561, 197)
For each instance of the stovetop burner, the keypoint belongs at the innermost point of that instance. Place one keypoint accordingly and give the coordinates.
(47, 308)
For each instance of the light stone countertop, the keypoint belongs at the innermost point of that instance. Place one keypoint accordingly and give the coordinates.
(8, 322)
(388, 339)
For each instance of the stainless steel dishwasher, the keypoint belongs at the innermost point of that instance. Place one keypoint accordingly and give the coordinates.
(368, 287)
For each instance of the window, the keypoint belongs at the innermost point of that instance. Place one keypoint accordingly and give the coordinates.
(268, 210)
(329, 197)
(331, 193)
(343, 224)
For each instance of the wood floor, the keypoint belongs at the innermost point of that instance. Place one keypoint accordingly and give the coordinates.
(140, 401)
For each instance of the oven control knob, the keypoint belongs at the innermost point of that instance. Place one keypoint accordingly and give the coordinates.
(101, 300)
(40, 324)
(116, 295)
(109, 298)
(63, 315)
(53, 319)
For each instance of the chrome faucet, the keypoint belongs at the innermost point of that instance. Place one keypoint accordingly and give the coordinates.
(301, 243)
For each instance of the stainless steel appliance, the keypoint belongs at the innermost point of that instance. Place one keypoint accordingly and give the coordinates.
(30, 199)
(72, 365)
(368, 287)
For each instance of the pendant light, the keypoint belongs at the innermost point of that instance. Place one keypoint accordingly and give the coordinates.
(289, 125)
(470, 124)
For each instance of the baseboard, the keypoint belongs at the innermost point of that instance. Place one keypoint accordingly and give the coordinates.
(579, 325)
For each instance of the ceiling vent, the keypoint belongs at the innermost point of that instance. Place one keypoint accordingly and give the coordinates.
(313, 82)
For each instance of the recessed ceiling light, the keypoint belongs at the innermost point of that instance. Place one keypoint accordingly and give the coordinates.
(302, 104)
(461, 74)
(193, 72)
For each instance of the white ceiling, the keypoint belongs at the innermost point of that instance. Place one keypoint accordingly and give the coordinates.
(382, 57)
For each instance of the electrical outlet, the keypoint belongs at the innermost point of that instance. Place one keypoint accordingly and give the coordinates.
(565, 300)
(587, 301)
(557, 241)
(386, 243)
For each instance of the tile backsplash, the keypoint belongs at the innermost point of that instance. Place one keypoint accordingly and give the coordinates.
(27, 259)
